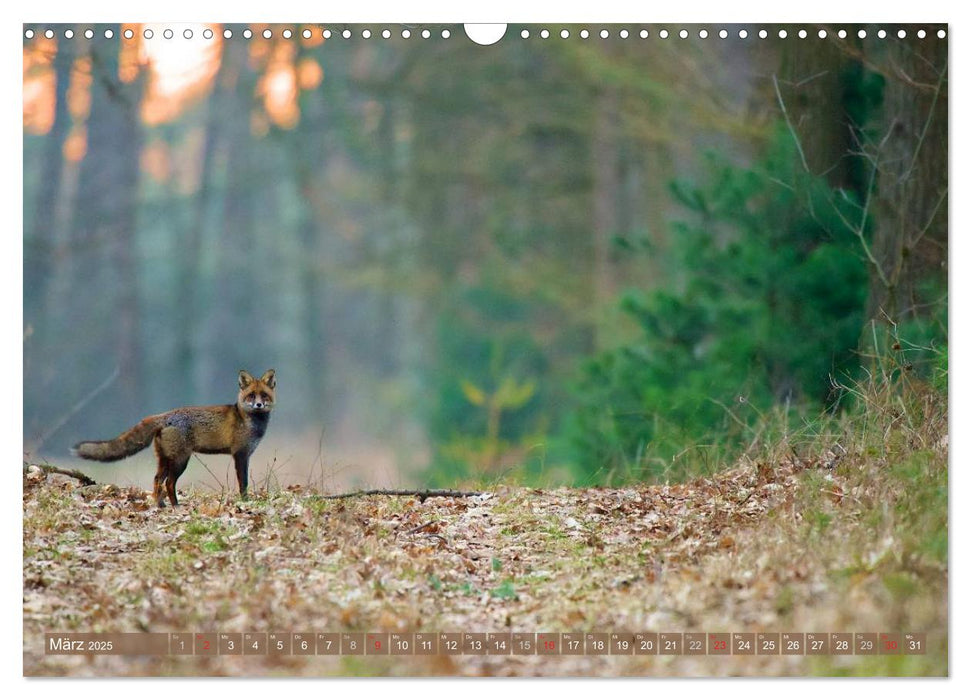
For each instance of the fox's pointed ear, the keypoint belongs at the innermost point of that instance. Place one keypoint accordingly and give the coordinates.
(269, 378)
(244, 378)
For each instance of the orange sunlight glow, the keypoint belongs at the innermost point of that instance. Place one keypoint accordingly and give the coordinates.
(76, 144)
(39, 85)
(79, 91)
(181, 69)
(178, 71)
(310, 74)
(278, 87)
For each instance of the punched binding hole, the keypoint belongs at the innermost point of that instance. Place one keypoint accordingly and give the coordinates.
(484, 34)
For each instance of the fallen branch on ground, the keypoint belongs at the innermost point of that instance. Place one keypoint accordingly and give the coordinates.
(420, 495)
(73, 473)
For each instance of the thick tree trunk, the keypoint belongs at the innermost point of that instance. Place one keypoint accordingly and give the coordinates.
(810, 85)
(41, 239)
(188, 297)
(606, 189)
(104, 285)
(41, 262)
(311, 156)
(233, 332)
(908, 271)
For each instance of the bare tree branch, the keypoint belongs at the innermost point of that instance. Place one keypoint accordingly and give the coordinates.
(75, 409)
(73, 473)
(792, 130)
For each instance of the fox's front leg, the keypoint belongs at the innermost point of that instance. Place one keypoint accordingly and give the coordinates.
(242, 470)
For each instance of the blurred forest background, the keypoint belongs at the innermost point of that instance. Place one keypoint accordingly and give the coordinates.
(552, 261)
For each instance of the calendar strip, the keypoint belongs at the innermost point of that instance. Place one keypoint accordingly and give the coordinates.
(487, 644)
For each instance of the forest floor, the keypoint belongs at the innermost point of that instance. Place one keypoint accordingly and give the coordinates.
(812, 543)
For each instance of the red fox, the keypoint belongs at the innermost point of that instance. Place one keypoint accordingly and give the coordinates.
(234, 429)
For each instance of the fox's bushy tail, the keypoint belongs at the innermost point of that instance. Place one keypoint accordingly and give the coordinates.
(128, 443)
